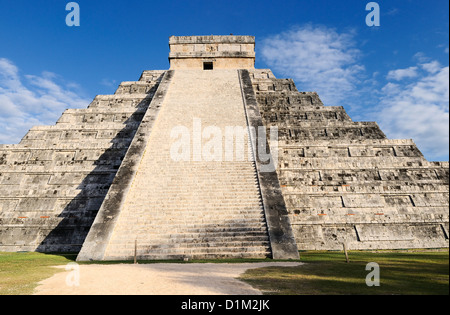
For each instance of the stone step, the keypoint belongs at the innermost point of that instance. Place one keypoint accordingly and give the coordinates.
(197, 218)
(191, 250)
(214, 216)
(152, 75)
(194, 218)
(218, 255)
(182, 231)
(133, 87)
(350, 188)
(172, 239)
(164, 247)
(203, 204)
(194, 223)
(345, 163)
(112, 138)
(53, 193)
(100, 145)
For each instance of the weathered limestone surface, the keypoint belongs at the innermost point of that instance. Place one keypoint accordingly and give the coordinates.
(282, 239)
(54, 181)
(344, 181)
(223, 52)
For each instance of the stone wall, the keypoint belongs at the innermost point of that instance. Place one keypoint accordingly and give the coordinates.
(224, 52)
(344, 181)
(54, 181)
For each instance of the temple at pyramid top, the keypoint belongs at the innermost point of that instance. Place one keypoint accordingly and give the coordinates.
(212, 52)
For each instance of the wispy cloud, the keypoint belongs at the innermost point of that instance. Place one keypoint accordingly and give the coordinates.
(318, 58)
(108, 82)
(419, 109)
(432, 67)
(393, 11)
(29, 100)
(400, 74)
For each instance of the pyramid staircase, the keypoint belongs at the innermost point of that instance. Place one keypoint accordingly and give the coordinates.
(188, 209)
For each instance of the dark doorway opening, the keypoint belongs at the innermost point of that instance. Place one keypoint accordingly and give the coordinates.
(208, 66)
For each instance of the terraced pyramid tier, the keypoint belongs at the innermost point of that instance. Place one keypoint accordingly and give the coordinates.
(53, 182)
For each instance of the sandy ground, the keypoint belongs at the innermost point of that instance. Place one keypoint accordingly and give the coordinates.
(152, 279)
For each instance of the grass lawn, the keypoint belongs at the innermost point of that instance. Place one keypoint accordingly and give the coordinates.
(21, 272)
(402, 272)
(327, 273)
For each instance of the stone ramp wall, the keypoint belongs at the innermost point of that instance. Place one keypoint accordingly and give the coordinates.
(192, 208)
(344, 181)
(54, 181)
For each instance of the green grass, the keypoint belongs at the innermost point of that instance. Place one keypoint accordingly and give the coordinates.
(327, 273)
(402, 272)
(21, 272)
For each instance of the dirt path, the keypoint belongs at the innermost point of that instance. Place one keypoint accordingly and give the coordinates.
(154, 279)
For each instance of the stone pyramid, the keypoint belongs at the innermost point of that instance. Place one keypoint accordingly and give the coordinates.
(109, 182)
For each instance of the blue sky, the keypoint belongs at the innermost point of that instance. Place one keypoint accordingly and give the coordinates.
(395, 74)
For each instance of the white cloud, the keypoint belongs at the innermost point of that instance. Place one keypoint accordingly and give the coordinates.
(108, 82)
(318, 58)
(431, 67)
(419, 110)
(393, 11)
(29, 100)
(400, 74)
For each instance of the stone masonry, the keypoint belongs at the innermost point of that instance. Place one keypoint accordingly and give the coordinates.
(344, 181)
(103, 180)
(54, 181)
